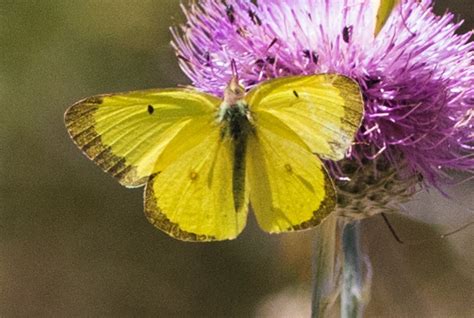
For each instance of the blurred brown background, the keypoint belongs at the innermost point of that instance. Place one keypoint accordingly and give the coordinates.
(73, 242)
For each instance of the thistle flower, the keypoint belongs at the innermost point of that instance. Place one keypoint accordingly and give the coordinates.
(416, 75)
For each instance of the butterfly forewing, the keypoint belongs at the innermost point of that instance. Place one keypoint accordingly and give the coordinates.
(126, 133)
(325, 110)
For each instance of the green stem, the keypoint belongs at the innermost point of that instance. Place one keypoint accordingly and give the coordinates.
(352, 300)
(340, 268)
(326, 266)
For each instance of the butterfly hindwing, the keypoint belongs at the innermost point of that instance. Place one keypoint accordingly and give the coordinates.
(289, 187)
(126, 133)
(193, 198)
(324, 110)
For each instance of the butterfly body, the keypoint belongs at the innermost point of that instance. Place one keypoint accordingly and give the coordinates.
(205, 160)
(236, 128)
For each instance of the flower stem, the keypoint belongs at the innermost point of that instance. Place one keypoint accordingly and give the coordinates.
(352, 302)
(326, 266)
(340, 268)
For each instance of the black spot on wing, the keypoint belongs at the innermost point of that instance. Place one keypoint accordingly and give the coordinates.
(150, 109)
(296, 94)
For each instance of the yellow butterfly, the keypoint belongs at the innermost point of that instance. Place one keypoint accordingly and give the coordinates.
(204, 159)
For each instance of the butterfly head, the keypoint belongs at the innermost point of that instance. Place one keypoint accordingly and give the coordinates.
(234, 92)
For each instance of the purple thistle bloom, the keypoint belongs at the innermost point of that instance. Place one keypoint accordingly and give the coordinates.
(417, 75)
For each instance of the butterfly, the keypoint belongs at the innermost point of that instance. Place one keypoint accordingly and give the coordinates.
(204, 160)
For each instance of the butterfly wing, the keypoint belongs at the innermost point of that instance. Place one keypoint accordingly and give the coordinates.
(193, 198)
(126, 133)
(289, 187)
(324, 110)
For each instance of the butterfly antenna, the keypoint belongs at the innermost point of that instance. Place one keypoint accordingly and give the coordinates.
(392, 230)
(233, 66)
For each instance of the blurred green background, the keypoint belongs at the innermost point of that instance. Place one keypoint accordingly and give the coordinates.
(73, 242)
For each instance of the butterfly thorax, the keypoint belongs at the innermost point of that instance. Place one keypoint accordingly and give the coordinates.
(234, 120)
